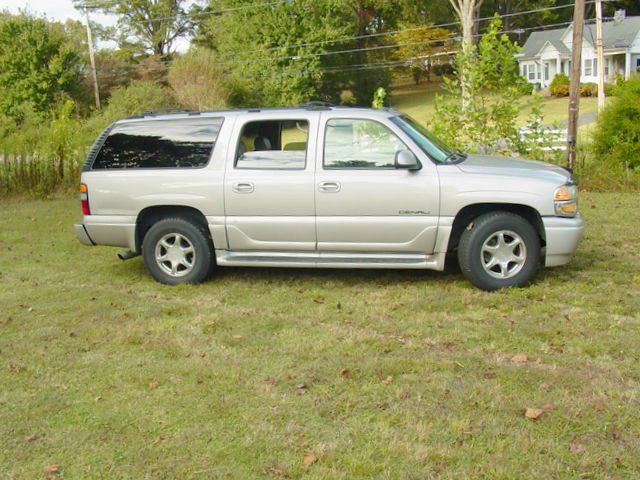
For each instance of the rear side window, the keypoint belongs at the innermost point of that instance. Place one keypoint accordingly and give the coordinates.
(174, 143)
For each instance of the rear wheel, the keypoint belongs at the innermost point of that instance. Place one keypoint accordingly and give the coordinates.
(176, 250)
(499, 250)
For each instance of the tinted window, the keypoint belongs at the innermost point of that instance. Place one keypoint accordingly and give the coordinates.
(360, 144)
(273, 145)
(175, 143)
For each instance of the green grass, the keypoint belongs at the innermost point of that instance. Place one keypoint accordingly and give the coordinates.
(121, 377)
(419, 102)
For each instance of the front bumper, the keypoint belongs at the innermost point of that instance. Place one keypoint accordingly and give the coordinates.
(563, 236)
(81, 234)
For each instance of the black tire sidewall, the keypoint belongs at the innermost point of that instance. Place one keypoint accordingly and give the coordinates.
(198, 238)
(471, 244)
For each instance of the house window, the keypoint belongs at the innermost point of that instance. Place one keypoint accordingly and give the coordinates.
(588, 65)
(524, 70)
(606, 68)
(595, 67)
(546, 72)
(637, 64)
(532, 73)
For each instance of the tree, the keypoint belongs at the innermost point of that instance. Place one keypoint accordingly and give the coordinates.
(490, 75)
(151, 25)
(274, 55)
(37, 65)
(197, 81)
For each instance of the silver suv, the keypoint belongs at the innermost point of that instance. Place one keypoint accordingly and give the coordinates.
(319, 186)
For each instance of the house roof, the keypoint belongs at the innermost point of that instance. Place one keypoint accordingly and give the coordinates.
(615, 35)
(537, 40)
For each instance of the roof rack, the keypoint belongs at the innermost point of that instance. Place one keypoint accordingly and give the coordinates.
(165, 111)
(317, 105)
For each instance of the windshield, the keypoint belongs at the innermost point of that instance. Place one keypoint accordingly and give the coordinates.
(427, 141)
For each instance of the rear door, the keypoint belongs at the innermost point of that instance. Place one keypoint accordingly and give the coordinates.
(365, 204)
(269, 182)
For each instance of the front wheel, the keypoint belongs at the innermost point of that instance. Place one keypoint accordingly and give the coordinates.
(499, 250)
(176, 251)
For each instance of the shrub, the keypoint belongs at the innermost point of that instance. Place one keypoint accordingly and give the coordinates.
(197, 81)
(617, 136)
(523, 86)
(559, 86)
(588, 89)
(609, 89)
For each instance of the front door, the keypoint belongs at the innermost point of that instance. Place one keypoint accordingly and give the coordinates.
(268, 187)
(365, 204)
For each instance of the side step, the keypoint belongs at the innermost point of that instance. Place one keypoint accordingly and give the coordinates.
(330, 260)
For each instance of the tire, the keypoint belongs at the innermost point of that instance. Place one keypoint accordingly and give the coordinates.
(191, 260)
(499, 250)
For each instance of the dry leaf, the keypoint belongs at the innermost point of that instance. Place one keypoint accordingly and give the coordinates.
(388, 380)
(309, 459)
(30, 438)
(404, 394)
(270, 381)
(345, 373)
(153, 384)
(490, 374)
(575, 447)
(520, 358)
(300, 389)
(548, 407)
(319, 300)
(51, 468)
(533, 413)
(598, 405)
(545, 386)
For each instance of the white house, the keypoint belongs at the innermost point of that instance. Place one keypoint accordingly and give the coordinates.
(548, 52)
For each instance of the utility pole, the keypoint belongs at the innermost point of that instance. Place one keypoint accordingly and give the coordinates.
(600, 52)
(574, 88)
(92, 60)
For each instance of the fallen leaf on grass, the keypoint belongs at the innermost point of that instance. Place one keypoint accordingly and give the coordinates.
(575, 447)
(301, 389)
(319, 300)
(533, 413)
(345, 373)
(598, 405)
(51, 468)
(548, 407)
(309, 459)
(404, 394)
(388, 380)
(490, 374)
(520, 358)
(153, 385)
(30, 438)
(545, 386)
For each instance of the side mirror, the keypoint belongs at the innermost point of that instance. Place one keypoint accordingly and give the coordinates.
(407, 160)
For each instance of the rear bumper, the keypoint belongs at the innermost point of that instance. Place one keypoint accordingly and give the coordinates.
(563, 236)
(81, 234)
(115, 231)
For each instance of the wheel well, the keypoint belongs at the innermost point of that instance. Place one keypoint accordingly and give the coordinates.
(150, 215)
(468, 213)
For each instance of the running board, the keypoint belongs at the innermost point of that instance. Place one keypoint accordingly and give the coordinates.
(330, 260)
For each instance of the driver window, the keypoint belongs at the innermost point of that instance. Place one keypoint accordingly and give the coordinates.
(273, 145)
(351, 143)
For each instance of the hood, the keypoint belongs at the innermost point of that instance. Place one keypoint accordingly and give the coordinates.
(494, 165)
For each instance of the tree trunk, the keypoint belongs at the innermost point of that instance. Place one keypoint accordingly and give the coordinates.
(467, 11)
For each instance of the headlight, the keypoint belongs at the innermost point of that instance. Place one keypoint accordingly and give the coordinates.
(565, 200)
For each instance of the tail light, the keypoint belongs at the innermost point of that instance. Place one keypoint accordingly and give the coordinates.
(84, 199)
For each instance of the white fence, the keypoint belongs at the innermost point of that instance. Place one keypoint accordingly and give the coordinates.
(551, 139)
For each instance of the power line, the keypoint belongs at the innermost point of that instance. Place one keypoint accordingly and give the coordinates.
(395, 32)
(210, 12)
(385, 47)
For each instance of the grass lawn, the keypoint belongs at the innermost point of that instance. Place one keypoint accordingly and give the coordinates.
(316, 374)
(418, 101)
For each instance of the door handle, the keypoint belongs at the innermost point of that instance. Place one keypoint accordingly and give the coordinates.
(245, 187)
(329, 187)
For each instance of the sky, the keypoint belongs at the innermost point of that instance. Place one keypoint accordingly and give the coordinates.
(61, 10)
